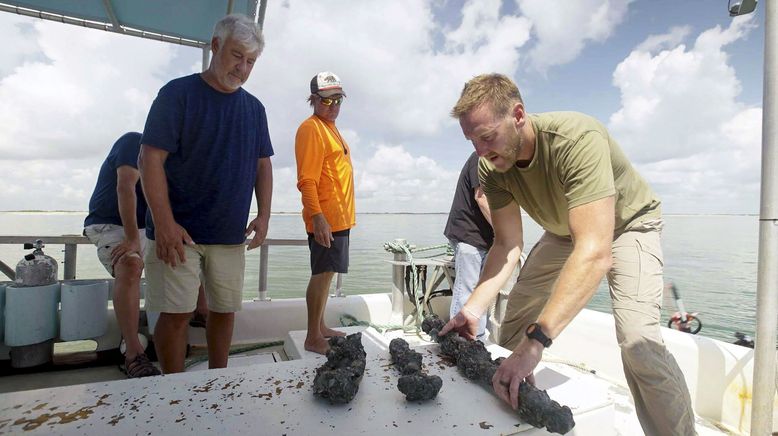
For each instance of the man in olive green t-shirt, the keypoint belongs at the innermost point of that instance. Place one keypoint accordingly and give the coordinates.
(600, 219)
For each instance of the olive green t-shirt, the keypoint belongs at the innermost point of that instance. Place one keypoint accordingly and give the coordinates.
(575, 162)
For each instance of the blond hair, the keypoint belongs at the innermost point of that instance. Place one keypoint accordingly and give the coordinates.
(494, 89)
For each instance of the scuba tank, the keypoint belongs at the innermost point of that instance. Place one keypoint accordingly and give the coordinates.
(36, 269)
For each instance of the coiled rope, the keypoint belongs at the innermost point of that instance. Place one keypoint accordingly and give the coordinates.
(402, 247)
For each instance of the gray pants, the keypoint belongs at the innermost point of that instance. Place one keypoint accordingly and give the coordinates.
(658, 388)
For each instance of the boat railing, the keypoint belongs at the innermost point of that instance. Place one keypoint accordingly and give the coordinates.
(71, 243)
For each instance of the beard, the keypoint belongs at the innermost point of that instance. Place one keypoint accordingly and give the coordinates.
(506, 160)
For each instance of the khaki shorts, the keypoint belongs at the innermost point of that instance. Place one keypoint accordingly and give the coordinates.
(106, 237)
(174, 290)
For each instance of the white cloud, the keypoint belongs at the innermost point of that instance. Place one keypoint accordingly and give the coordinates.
(47, 184)
(399, 83)
(668, 40)
(681, 121)
(76, 99)
(563, 28)
(66, 93)
(395, 180)
(22, 50)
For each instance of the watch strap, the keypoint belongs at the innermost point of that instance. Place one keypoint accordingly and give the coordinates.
(535, 332)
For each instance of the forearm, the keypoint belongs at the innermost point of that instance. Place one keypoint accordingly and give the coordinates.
(578, 281)
(155, 189)
(319, 220)
(127, 211)
(310, 196)
(483, 204)
(500, 262)
(263, 187)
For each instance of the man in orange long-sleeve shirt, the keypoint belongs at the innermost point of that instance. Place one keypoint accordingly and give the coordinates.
(325, 179)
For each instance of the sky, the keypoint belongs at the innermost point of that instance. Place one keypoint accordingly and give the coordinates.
(678, 85)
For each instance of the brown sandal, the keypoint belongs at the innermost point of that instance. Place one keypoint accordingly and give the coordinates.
(140, 366)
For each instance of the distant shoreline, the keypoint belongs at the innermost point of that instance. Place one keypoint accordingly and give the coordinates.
(362, 213)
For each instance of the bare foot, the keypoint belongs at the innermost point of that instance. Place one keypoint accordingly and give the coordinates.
(318, 345)
(328, 332)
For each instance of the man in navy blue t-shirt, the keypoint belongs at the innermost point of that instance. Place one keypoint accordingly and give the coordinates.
(117, 210)
(206, 147)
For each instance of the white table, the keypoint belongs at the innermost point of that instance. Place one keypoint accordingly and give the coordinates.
(276, 399)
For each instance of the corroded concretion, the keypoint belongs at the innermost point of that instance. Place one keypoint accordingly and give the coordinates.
(475, 362)
(413, 383)
(338, 379)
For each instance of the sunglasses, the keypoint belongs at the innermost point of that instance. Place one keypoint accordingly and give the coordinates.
(329, 101)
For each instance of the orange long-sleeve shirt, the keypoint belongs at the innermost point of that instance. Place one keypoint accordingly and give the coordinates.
(325, 176)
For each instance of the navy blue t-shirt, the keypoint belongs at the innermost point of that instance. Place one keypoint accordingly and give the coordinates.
(214, 140)
(104, 204)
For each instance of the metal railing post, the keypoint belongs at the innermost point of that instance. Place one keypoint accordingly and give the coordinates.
(398, 287)
(71, 251)
(7, 270)
(264, 254)
(71, 243)
(338, 286)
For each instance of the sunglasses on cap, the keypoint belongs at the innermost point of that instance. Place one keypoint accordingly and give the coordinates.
(329, 101)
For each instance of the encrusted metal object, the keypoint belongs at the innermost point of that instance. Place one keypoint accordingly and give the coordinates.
(475, 362)
(416, 385)
(338, 379)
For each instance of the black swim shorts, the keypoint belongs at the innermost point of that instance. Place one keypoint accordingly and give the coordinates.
(333, 259)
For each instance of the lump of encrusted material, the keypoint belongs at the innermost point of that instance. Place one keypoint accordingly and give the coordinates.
(474, 360)
(338, 379)
(416, 385)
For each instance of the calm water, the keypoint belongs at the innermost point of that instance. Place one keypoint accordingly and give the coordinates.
(716, 275)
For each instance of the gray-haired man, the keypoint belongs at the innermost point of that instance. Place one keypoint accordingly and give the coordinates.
(206, 147)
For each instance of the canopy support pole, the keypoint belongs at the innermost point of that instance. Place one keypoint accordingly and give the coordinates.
(767, 278)
(112, 16)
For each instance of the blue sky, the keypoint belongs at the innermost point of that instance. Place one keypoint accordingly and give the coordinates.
(678, 83)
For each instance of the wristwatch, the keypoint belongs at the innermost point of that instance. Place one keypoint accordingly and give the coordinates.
(535, 332)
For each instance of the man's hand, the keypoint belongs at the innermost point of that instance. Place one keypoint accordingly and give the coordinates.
(170, 241)
(125, 247)
(516, 368)
(322, 232)
(259, 226)
(465, 323)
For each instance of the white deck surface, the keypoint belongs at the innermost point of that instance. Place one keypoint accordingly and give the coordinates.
(276, 399)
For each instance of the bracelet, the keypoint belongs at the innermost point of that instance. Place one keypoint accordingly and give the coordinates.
(465, 309)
